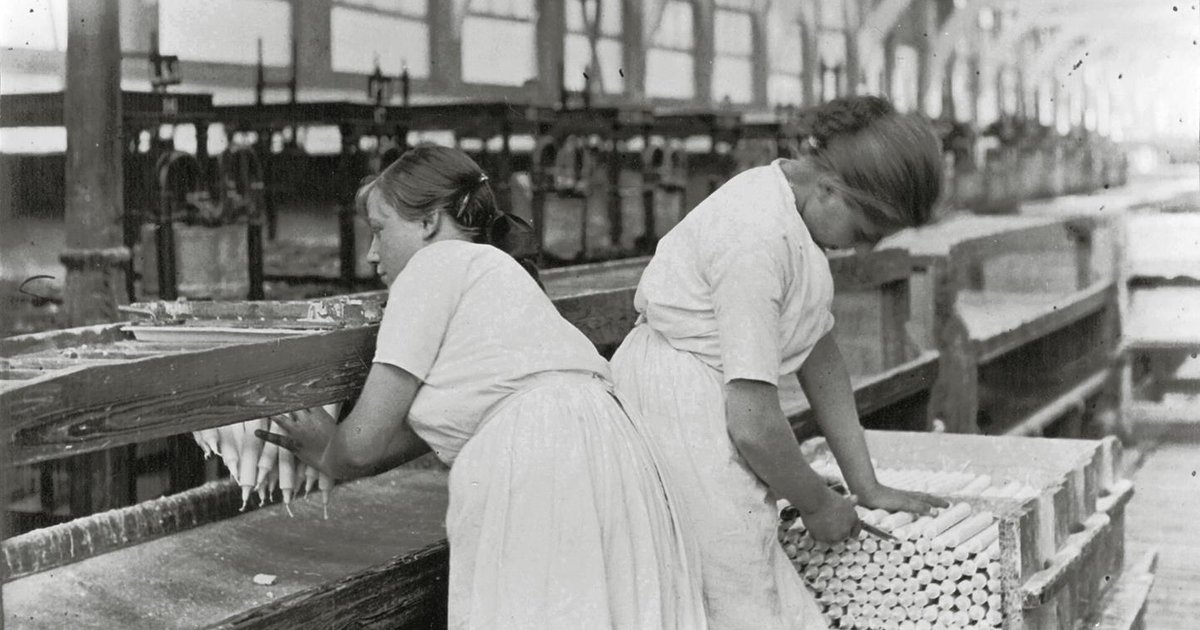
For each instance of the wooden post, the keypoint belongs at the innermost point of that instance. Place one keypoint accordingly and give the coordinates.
(95, 258)
(551, 33)
(704, 50)
(925, 22)
(633, 52)
(760, 59)
(809, 70)
(445, 47)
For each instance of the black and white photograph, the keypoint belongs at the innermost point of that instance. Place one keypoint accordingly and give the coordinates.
(600, 314)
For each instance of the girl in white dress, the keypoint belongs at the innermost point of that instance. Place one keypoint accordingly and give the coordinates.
(738, 296)
(559, 515)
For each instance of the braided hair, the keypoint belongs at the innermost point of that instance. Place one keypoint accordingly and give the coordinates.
(886, 163)
(429, 178)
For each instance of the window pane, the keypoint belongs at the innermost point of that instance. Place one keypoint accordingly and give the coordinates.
(732, 79)
(33, 140)
(360, 38)
(734, 33)
(786, 48)
(676, 28)
(832, 15)
(784, 89)
(36, 24)
(610, 18)
(832, 48)
(669, 74)
(226, 30)
(577, 54)
(498, 52)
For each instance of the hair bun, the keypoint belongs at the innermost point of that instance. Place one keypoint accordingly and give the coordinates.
(845, 116)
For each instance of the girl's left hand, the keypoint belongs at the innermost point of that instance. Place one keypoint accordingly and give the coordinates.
(895, 500)
(308, 433)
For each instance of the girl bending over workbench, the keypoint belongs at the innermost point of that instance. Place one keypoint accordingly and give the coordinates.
(739, 295)
(559, 513)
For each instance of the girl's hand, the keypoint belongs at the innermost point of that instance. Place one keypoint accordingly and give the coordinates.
(834, 520)
(894, 500)
(308, 433)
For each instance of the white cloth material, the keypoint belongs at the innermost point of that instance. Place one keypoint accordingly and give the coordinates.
(473, 326)
(739, 282)
(560, 514)
(558, 518)
(738, 290)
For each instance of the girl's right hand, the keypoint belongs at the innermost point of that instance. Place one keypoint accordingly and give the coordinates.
(834, 520)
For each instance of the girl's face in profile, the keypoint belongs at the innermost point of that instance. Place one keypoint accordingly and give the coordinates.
(835, 223)
(394, 239)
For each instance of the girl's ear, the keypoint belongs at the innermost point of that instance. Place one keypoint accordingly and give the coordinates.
(430, 224)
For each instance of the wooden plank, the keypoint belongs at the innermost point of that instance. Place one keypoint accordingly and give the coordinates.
(409, 592)
(51, 363)
(1042, 586)
(1073, 399)
(89, 536)
(855, 272)
(994, 341)
(1124, 606)
(82, 411)
(101, 334)
(872, 392)
(203, 575)
(337, 312)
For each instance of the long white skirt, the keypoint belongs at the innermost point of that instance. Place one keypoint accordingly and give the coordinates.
(560, 517)
(748, 580)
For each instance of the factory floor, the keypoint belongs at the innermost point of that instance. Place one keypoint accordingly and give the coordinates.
(1164, 516)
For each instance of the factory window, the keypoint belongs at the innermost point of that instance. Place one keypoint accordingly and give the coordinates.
(593, 23)
(34, 24)
(785, 56)
(392, 34)
(226, 31)
(499, 42)
(669, 56)
(831, 48)
(733, 60)
(904, 78)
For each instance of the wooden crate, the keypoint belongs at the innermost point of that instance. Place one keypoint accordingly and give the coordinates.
(1060, 550)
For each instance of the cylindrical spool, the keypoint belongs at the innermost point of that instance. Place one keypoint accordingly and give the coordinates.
(947, 519)
(966, 529)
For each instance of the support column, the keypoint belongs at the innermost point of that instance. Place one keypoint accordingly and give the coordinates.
(974, 87)
(925, 22)
(551, 33)
(810, 68)
(949, 111)
(312, 33)
(889, 65)
(853, 61)
(96, 258)
(705, 50)
(633, 51)
(445, 47)
(760, 60)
